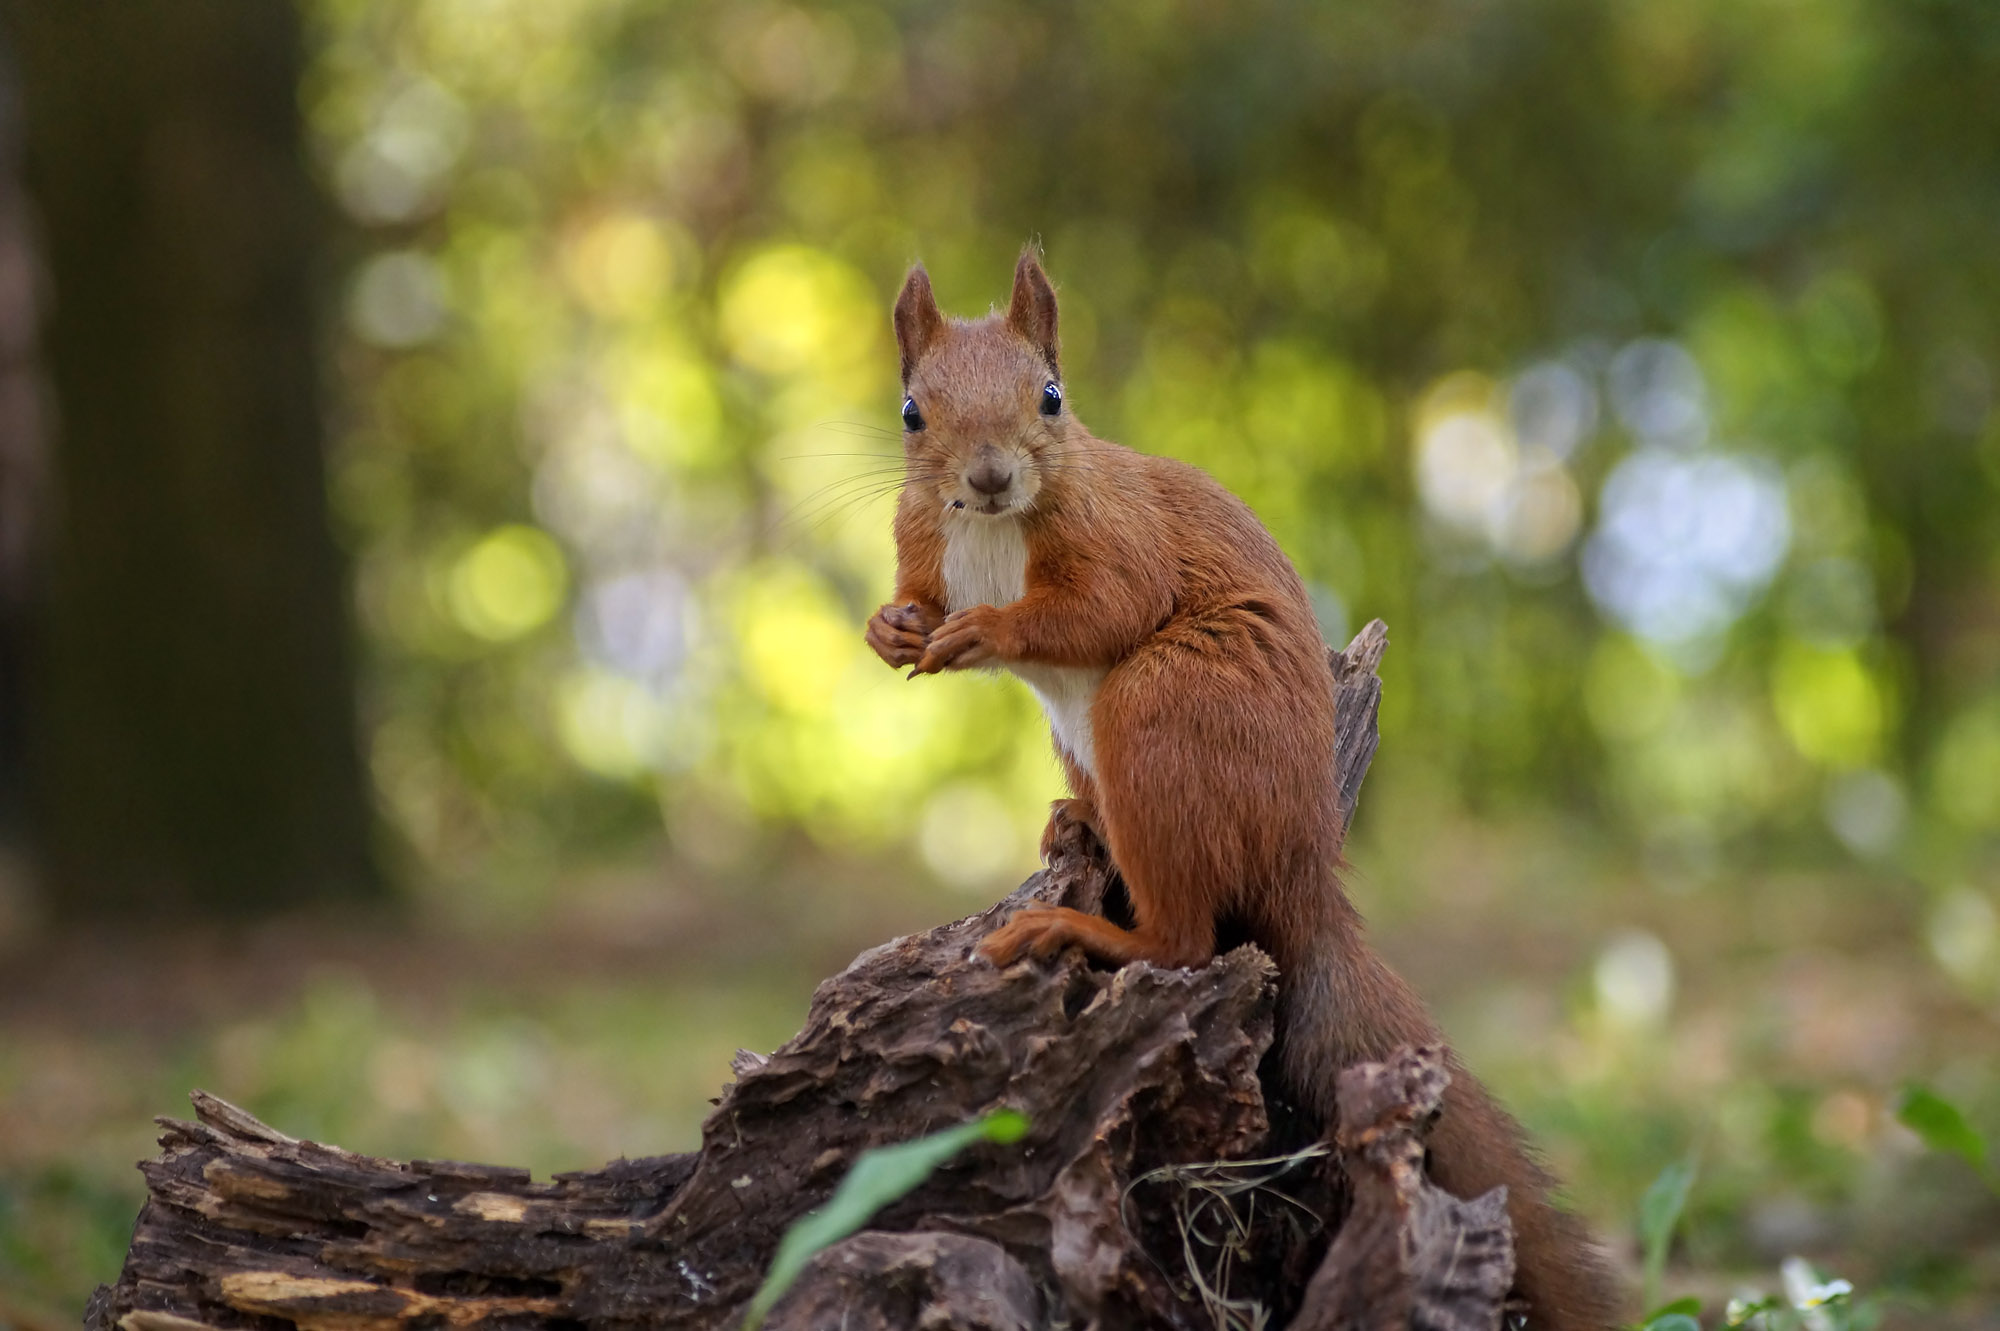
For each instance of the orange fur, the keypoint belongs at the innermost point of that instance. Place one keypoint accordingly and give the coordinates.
(1177, 653)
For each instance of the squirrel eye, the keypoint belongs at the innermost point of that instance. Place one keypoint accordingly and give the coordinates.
(1052, 399)
(912, 418)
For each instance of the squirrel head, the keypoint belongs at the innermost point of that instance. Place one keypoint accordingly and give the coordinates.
(985, 427)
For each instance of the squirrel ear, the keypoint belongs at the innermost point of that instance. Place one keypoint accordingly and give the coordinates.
(1032, 312)
(918, 322)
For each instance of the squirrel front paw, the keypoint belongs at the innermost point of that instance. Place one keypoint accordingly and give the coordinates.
(1037, 930)
(967, 638)
(899, 633)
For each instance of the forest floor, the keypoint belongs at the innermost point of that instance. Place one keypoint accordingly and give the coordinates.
(1759, 1027)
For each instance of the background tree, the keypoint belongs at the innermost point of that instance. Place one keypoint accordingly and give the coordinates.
(191, 744)
(23, 466)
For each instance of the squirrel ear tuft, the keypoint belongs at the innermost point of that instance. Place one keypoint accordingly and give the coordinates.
(918, 322)
(1032, 312)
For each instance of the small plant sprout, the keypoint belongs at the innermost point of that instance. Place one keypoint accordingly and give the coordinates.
(879, 1177)
(1659, 1215)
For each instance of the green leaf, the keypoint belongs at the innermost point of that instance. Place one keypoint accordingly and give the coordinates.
(878, 1178)
(1659, 1213)
(1690, 1305)
(1942, 1127)
(1674, 1322)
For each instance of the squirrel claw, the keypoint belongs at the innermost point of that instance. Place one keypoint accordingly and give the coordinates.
(900, 634)
(962, 641)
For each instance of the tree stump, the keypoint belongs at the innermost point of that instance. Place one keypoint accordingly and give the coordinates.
(1150, 1191)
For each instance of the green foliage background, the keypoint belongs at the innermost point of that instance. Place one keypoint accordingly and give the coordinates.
(619, 314)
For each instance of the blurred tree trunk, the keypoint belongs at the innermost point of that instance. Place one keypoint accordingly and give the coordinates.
(191, 744)
(23, 467)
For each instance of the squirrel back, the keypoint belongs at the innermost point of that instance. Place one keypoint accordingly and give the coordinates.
(1175, 650)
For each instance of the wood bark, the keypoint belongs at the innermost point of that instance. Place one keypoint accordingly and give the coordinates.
(1150, 1191)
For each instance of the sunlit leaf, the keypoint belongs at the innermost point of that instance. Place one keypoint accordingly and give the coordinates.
(878, 1178)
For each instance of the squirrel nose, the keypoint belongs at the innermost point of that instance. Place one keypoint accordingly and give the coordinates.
(991, 476)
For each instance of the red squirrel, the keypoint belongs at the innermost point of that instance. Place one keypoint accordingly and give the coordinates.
(1175, 651)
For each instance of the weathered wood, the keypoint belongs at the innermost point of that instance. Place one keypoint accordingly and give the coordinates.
(1121, 1208)
(1409, 1254)
(1357, 697)
(886, 1282)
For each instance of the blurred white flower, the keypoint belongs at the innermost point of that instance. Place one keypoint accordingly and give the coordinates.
(1808, 1293)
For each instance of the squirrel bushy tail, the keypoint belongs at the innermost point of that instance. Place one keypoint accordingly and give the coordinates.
(1340, 1003)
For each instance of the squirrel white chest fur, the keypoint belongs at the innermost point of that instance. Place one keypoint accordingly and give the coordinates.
(986, 563)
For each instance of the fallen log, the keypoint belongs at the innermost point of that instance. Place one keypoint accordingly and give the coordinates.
(1156, 1186)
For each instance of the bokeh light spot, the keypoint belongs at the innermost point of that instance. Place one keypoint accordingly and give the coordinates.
(797, 642)
(395, 172)
(1964, 936)
(1685, 543)
(1552, 406)
(1538, 514)
(1829, 704)
(1868, 811)
(1965, 773)
(610, 724)
(1659, 393)
(619, 266)
(508, 584)
(398, 300)
(1634, 979)
(1629, 692)
(794, 309)
(1465, 462)
(968, 837)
